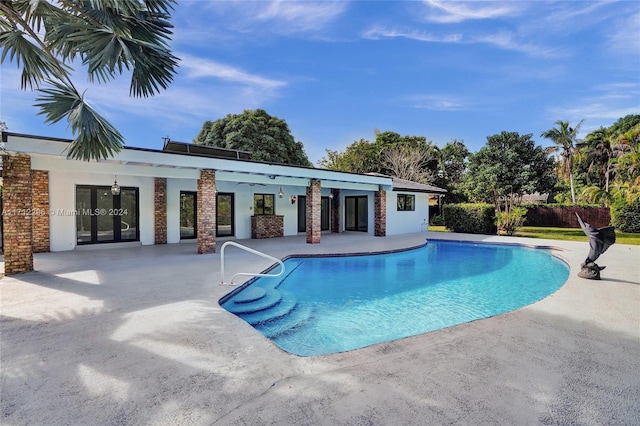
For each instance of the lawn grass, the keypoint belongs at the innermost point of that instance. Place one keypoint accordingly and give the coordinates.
(564, 234)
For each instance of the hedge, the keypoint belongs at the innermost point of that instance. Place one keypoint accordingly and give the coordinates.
(470, 218)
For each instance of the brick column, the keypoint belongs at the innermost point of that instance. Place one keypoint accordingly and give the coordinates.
(17, 218)
(335, 211)
(380, 213)
(160, 210)
(207, 211)
(40, 202)
(313, 208)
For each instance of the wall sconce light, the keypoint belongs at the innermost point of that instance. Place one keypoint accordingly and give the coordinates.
(330, 195)
(280, 193)
(293, 199)
(115, 188)
(272, 177)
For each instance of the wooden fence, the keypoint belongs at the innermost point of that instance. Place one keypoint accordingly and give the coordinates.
(565, 216)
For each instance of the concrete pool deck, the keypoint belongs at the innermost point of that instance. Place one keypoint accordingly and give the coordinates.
(135, 335)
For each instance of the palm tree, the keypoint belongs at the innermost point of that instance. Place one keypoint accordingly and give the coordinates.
(109, 38)
(564, 138)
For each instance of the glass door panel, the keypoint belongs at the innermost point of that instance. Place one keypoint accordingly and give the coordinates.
(224, 215)
(188, 210)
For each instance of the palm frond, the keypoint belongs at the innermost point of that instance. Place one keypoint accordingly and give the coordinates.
(36, 64)
(96, 137)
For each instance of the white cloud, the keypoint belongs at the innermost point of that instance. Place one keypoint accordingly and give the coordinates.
(300, 16)
(377, 33)
(508, 41)
(626, 36)
(438, 102)
(450, 12)
(196, 68)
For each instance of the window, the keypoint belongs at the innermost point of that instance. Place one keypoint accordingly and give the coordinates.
(406, 202)
(263, 204)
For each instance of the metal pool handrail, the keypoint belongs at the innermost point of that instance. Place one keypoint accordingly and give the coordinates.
(250, 250)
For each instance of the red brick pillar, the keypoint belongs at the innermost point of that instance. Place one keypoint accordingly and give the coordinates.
(313, 209)
(207, 211)
(380, 213)
(160, 210)
(40, 202)
(17, 218)
(335, 211)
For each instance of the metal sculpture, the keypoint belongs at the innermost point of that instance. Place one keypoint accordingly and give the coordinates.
(600, 239)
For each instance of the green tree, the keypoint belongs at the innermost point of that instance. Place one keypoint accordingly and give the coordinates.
(453, 163)
(45, 38)
(507, 167)
(267, 137)
(564, 138)
(364, 156)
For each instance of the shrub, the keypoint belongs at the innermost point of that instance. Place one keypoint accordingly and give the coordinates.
(627, 218)
(470, 218)
(510, 222)
(437, 220)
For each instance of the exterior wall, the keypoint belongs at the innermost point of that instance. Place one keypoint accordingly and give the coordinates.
(40, 193)
(160, 210)
(17, 217)
(405, 222)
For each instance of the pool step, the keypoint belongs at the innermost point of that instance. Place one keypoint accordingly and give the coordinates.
(286, 304)
(291, 322)
(250, 294)
(270, 299)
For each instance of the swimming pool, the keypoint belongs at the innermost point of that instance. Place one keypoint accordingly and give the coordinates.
(325, 305)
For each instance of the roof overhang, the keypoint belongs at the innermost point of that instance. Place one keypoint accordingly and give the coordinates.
(51, 154)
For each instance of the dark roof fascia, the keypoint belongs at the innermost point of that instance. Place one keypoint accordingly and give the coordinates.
(424, 191)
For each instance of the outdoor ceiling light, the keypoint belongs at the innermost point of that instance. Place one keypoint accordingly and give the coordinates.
(115, 188)
(280, 193)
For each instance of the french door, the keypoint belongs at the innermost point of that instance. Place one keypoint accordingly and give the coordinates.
(102, 217)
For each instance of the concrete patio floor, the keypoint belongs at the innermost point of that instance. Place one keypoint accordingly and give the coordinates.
(135, 335)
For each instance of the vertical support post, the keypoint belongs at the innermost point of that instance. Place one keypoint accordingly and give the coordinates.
(17, 215)
(380, 213)
(207, 211)
(41, 216)
(335, 211)
(160, 210)
(313, 211)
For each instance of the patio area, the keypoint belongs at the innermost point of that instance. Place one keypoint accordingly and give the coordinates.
(135, 335)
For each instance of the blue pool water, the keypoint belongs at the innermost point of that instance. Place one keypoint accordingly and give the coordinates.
(325, 305)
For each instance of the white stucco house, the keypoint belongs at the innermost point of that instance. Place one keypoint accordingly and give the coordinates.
(186, 192)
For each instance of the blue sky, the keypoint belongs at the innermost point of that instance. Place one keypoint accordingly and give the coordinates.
(335, 71)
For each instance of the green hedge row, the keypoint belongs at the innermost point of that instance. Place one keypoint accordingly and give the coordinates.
(627, 218)
(470, 218)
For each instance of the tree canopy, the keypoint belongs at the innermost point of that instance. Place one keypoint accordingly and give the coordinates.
(509, 165)
(267, 137)
(385, 155)
(45, 38)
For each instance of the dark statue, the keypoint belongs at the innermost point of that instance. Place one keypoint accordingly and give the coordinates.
(600, 239)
